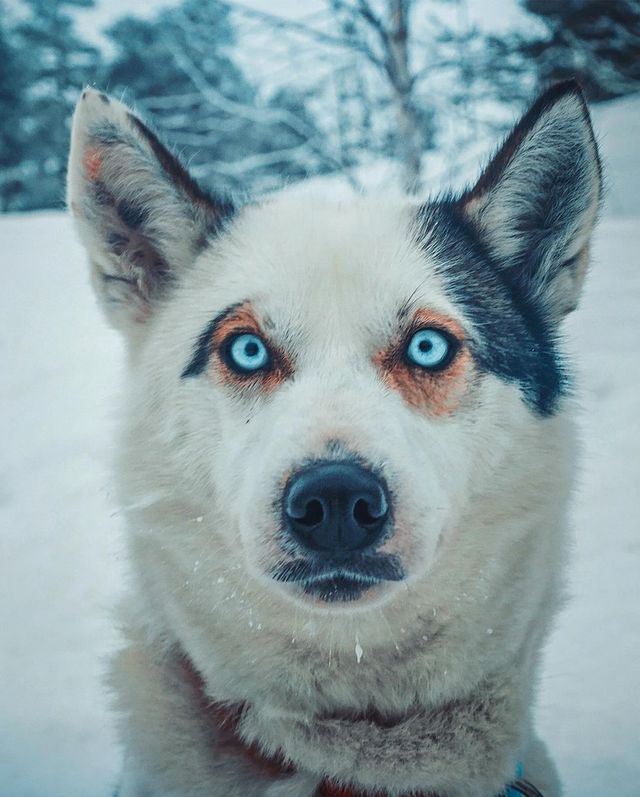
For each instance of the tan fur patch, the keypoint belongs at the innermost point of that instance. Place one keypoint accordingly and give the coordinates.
(243, 320)
(92, 164)
(436, 392)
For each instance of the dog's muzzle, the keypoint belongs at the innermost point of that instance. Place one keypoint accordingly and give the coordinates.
(337, 513)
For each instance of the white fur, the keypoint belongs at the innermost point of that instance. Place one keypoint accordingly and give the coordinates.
(481, 502)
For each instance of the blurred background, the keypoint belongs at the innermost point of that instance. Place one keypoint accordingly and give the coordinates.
(259, 94)
(392, 95)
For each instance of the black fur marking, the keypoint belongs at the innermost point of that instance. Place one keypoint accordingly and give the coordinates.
(108, 134)
(218, 211)
(117, 242)
(102, 195)
(513, 339)
(132, 216)
(374, 566)
(507, 293)
(340, 581)
(202, 350)
(115, 278)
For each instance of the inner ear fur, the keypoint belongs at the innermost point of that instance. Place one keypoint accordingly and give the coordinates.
(141, 216)
(535, 205)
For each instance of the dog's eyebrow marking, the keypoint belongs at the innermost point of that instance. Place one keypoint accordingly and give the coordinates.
(438, 393)
(236, 319)
(204, 342)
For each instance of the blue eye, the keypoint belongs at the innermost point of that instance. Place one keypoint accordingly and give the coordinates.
(247, 353)
(430, 349)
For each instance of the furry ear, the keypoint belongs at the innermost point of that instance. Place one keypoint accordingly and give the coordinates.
(141, 216)
(536, 203)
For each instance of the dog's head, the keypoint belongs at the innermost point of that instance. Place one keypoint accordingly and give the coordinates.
(333, 398)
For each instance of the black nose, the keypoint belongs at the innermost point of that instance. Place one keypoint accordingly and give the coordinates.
(335, 507)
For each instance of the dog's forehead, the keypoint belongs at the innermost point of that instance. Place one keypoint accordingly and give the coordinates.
(335, 264)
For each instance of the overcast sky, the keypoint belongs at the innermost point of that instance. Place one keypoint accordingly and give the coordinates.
(489, 14)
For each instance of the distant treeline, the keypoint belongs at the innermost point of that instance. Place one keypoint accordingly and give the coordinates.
(357, 81)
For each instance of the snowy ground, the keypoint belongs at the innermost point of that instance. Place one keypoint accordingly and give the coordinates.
(60, 557)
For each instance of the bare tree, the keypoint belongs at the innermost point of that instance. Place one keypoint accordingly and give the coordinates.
(383, 38)
(236, 136)
(407, 56)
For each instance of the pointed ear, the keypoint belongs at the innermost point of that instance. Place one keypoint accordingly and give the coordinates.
(140, 215)
(536, 203)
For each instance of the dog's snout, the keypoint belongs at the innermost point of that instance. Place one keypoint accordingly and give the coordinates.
(336, 507)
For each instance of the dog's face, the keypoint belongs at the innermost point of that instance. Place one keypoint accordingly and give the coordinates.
(332, 390)
(331, 381)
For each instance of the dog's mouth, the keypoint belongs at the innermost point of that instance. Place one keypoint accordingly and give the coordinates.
(333, 581)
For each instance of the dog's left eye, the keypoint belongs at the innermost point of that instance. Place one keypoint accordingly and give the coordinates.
(247, 353)
(430, 349)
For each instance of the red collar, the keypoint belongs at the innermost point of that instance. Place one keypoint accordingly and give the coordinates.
(227, 719)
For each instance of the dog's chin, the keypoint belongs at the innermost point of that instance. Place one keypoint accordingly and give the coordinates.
(334, 583)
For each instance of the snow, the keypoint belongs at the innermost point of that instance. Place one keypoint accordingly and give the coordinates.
(591, 683)
(358, 650)
(60, 565)
(61, 562)
(618, 129)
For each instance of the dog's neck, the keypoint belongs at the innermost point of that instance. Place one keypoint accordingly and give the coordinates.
(227, 719)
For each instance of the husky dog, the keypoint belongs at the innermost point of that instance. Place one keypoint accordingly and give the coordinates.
(346, 454)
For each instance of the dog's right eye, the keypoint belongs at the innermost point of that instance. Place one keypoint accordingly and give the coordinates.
(430, 349)
(246, 353)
